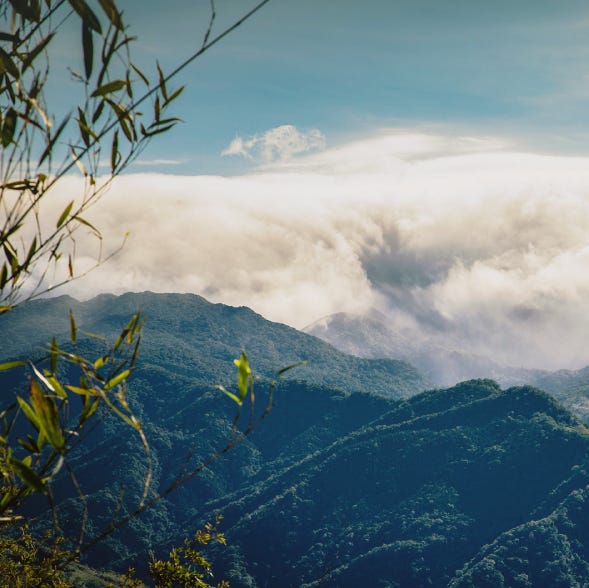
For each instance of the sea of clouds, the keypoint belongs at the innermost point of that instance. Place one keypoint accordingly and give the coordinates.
(460, 239)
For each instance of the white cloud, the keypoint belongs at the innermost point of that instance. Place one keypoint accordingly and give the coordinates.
(472, 243)
(278, 144)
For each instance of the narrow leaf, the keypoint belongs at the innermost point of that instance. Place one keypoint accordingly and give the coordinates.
(108, 88)
(230, 394)
(9, 127)
(73, 329)
(112, 13)
(243, 374)
(64, 214)
(30, 58)
(117, 380)
(10, 365)
(52, 140)
(88, 49)
(28, 476)
(7, 65)
(86, 15)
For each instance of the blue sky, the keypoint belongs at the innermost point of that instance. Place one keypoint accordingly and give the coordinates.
(514, 69)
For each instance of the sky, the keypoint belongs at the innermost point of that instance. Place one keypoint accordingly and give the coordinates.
(428, 159)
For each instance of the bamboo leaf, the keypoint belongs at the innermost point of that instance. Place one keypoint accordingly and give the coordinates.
(7, 65)
(10, 365)
(29, 10)
(233, 397)
(9, 127)
(88, 49)
(117, 380)
(34, 53)
(63, 216)
(52, 140)
(73, 329)
(108, 88)
(48, 415)
(110, 9)
(243, 374)
(29, 413)
(86, 15)
(114, 152)
(290, 367)
(28, 476)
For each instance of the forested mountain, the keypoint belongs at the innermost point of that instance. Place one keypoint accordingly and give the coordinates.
(187, 334)
(356, 478)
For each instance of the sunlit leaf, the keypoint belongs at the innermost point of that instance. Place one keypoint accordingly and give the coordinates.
(10, 365)
(117, 380)
(48, 415)
(64, 214)
(243, 374)
(233, 397)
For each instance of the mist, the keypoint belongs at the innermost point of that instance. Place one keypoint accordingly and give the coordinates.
(457, 239)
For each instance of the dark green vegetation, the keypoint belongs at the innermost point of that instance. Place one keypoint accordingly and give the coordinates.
(355, 486)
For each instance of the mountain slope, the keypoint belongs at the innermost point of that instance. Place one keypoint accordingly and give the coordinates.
(410, 498)
(198, 339)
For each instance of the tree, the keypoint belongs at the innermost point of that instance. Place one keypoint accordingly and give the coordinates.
(120, 110)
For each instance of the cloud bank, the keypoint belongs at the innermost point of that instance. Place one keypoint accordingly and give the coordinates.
(458, 239)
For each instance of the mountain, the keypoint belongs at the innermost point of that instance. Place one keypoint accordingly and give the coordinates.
(427, 494)
(369, 483)
(372, 336)
(198, 339)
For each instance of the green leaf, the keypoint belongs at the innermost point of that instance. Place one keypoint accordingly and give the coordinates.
(73, 329)
(64, 214)
(4, 308)
(7, 65)
(30, 58)
(117, 380)
(28, 476)
(52, 140)
(101, 362)
(114, 153)
(86, 15)
(29, 413)
(88, 49)
(111, 11)
(8, 127)
(230, 394)
(30, 10)
(108, 88)
(10, 365)
(243, 374)
(48, 415)
(290, 367)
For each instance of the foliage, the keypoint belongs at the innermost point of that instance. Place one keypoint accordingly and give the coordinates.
(26, 561)
(186, 567)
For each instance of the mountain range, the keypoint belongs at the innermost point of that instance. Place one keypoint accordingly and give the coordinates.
(361, 475)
